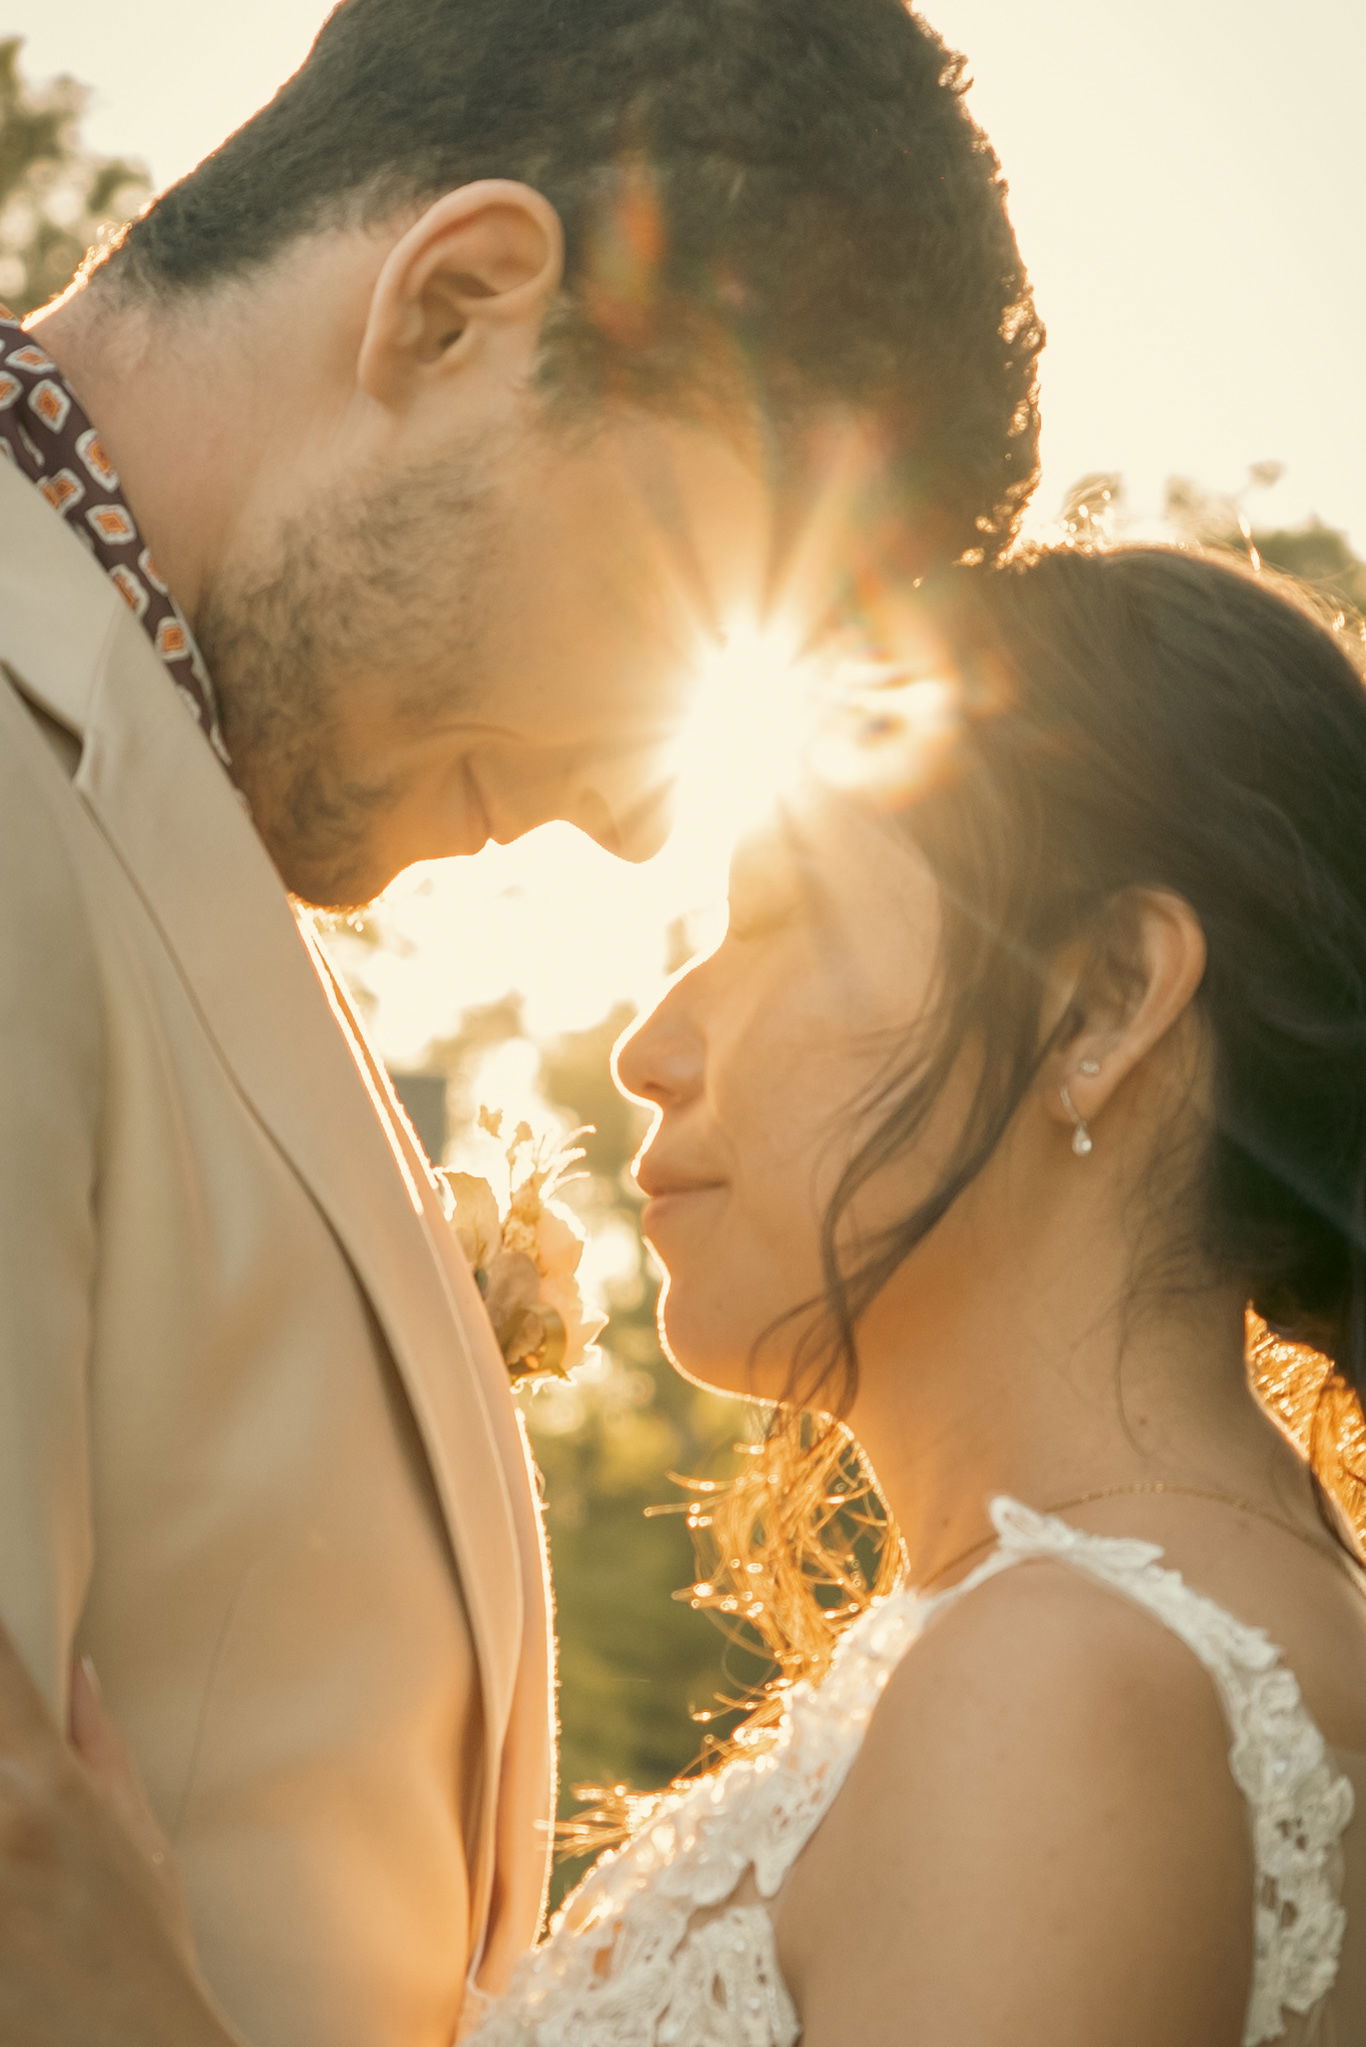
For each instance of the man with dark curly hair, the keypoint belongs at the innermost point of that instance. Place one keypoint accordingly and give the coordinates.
(412, 445)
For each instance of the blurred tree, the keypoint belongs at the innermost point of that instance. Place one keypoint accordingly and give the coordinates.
(1321, 556)
(1316, 552)
(1097, 508)
(642, 1675)
(1091, 507)
(57, 200)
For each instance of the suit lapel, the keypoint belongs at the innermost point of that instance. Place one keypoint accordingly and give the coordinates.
(516, 1841)
(295, 1050)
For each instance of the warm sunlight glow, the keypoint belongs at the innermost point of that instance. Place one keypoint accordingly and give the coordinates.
(1210, 375)
(570, 931)
(559, 923)
(889, 743)
(745, 741)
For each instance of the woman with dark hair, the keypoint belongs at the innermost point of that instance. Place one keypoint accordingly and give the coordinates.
(1027, 1085)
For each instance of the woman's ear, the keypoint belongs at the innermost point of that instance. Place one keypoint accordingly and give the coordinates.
(486, 258)
(1111, 1013)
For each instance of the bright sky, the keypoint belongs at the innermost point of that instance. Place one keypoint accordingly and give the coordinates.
(1189, 189)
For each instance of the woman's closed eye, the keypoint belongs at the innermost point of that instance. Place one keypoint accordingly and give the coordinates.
(769, 890)
(753, 920)
(764, 898)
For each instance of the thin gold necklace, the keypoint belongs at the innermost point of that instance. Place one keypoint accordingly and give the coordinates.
(1160, 1485)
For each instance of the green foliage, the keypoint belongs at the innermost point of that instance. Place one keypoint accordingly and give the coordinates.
(57, 200)
(1096, 508)
(1319, 554)
(637, 1665)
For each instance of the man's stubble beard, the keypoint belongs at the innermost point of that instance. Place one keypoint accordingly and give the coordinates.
(338, 604)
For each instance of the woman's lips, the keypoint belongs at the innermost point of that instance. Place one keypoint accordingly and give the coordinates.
(667, 1202)
(659, 1182)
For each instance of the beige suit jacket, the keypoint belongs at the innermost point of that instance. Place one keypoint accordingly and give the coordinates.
(257, 1452)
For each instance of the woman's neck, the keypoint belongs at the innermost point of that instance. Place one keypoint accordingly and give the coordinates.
(1052, 1399)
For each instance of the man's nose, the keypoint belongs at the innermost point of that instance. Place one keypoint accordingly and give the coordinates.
(645, 832)
(634, 830)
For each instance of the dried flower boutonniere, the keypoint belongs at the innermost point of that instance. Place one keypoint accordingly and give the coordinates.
(525, 1251)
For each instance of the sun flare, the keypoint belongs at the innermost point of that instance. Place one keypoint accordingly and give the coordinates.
(744, 743)
(769, 721)
(571, 930)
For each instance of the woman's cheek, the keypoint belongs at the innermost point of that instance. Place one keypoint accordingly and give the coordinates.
(726, 1299)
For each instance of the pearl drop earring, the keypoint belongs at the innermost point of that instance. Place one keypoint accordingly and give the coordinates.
(1083, 1144)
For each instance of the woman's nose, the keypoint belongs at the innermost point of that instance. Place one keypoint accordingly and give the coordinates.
(661, 1059)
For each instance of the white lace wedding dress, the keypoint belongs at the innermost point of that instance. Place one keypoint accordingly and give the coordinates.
(669, 1940)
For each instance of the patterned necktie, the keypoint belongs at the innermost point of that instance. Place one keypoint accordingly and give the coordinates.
(46, 433)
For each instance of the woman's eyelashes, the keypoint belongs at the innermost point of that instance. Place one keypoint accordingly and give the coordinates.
(780, 903)
(751, 921)
(773, 886)
(765, 896)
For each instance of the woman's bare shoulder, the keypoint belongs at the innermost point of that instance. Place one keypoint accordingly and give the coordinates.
(1039, 1839)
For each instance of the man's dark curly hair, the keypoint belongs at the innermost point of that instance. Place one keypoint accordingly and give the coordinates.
(793, 188)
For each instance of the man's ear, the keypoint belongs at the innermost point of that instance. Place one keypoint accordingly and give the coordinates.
(488, 258)
(1116, 1015)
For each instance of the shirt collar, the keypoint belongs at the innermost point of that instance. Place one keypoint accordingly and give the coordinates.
(47, 434)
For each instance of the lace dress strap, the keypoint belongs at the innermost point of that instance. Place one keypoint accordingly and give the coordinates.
(669, 1940)
(1298, 1803)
